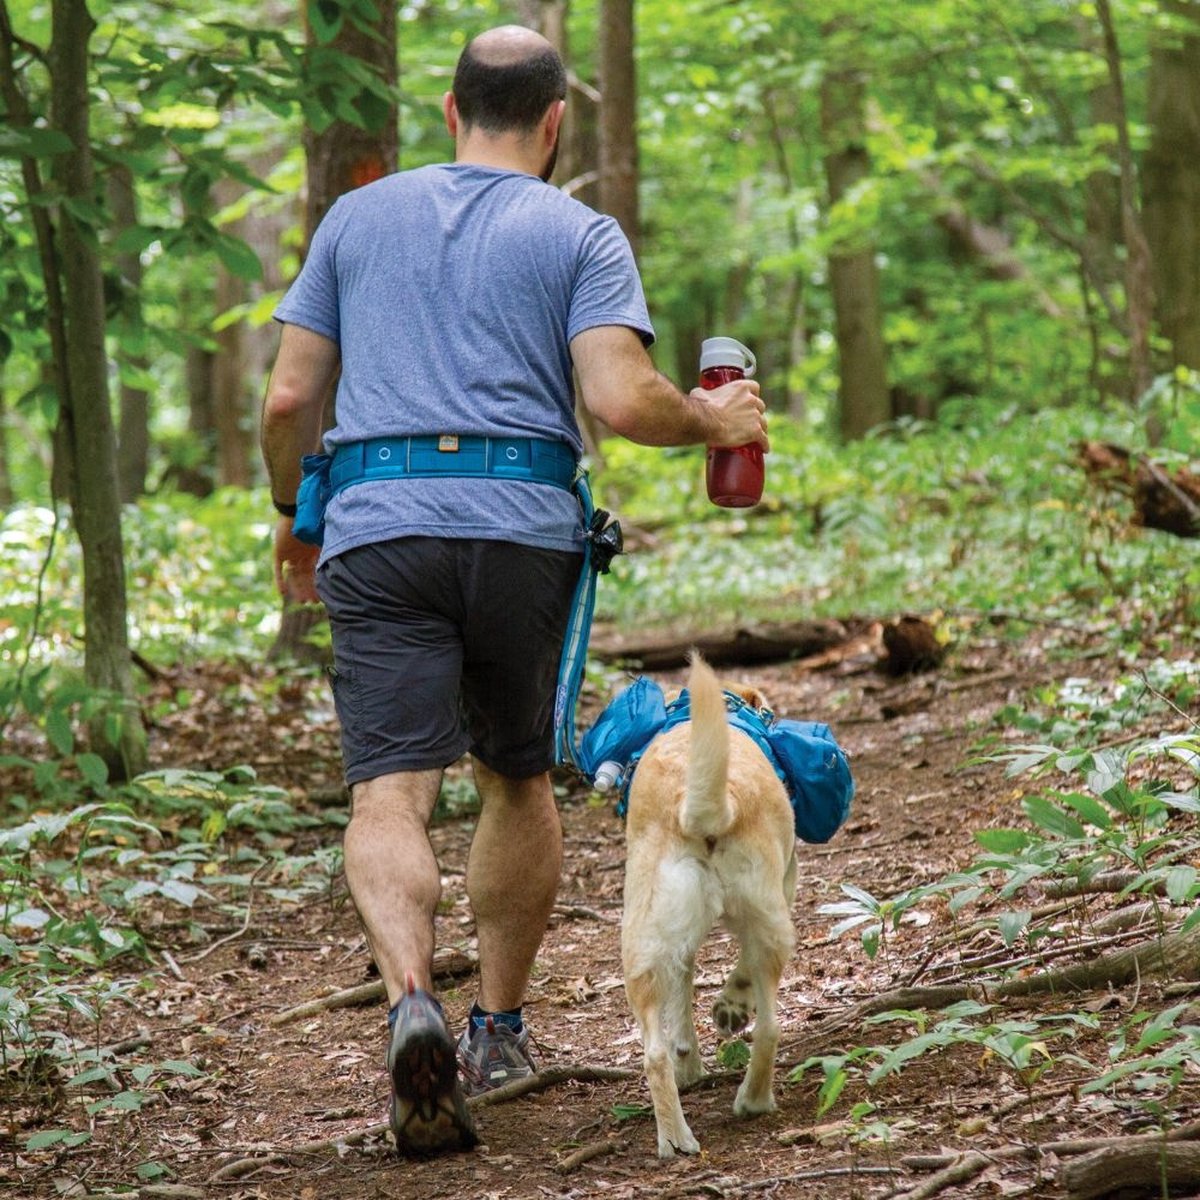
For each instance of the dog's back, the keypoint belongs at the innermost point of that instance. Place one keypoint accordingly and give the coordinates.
(709, 834)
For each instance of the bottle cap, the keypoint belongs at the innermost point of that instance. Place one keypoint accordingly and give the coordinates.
(726, 352)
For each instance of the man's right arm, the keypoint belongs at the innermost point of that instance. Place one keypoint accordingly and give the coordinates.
(620, 385)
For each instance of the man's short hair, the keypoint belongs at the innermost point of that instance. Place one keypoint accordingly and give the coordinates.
(509, 97)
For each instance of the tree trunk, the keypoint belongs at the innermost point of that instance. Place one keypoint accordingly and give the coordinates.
(853, 276)
(1139, 291)
(339, 158)
(230, 395)
(6, 487)
(618, 117)
(133, 442)
(1171, 181)
(116, 730)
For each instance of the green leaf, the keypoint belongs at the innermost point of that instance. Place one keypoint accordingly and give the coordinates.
(137, 238)
(179, 891)
(45, 1138)
(1181, 883)
(1053, 818)
(325, 20)
(733, 1055)
(1090, 809)
(237, 257)
(1012, 925)
(58, 730)
(1004, 841)
(33, 142)
(93, 768)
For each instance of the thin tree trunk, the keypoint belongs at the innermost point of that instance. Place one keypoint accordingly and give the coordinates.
(1171, 181)
(230, 396)
(6, 486)
(618, 117)
(133, 442)
(117, 732)
(1139, 291)
(853, 276)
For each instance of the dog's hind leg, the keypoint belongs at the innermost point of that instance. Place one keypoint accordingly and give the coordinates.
(734, 1007)
(645, 992)
(764, 955)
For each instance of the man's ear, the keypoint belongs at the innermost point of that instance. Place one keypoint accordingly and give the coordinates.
(450, 113)
(553, 119)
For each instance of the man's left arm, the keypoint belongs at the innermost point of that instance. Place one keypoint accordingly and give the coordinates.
(305, 368)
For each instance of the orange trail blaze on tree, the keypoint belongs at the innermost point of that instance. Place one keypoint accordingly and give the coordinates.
(367, 170)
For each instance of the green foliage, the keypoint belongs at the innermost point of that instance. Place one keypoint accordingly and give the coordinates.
(1100, 806)
(975, 514)
(76, 878)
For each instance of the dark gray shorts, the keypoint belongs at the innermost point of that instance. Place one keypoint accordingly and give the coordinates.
(441, 646)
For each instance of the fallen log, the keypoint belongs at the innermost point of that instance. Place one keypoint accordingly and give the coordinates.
(738, 647)
(1169, 501)
(1158, 1169)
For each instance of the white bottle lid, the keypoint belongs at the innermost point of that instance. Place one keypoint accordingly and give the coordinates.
(726, 352)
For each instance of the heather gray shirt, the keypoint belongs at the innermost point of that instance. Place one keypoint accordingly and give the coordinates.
(453, 293)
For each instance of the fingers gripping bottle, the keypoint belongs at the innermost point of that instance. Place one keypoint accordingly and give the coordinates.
(734, 474)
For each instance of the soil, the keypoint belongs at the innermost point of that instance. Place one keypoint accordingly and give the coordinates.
(268, 1090)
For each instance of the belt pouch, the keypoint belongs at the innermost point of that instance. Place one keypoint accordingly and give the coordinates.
(312, 498)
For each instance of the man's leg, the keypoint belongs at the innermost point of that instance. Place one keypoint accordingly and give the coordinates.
(512, 879)
(393, 874)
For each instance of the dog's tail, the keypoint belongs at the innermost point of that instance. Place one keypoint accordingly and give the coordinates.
(706, 812)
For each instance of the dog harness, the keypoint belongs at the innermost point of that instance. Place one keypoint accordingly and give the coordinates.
(804, 754)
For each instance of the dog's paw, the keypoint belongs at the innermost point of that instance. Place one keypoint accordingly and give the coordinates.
(682, 1142)
(730, 1015)
(747, 1105)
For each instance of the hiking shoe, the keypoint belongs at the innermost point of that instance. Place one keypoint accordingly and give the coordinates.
(492, 1056)
(428, 1114)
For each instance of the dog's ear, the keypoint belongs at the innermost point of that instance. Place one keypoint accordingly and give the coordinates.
(750, 694)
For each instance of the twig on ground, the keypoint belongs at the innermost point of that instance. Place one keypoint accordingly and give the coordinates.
(585, 1154)
(237, 933)
(587, 914)
(962, 1169)
(446, 964)
(172, 965)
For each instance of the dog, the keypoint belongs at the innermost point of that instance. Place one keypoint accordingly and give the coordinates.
(709, 836)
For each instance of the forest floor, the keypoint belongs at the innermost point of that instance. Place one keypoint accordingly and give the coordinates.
(294, 1109)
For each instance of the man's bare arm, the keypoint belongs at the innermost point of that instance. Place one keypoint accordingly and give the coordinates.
(619, 384)
(305, 366)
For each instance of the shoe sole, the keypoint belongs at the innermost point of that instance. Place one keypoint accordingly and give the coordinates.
(428, 1112)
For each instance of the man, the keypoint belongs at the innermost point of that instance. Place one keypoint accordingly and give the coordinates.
(455, 301)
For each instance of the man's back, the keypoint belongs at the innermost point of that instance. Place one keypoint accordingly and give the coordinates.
(453, 292)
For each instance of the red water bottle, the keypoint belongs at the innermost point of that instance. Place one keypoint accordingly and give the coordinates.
(734, 474)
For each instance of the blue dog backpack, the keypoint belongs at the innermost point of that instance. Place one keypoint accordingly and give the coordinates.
(805, 755)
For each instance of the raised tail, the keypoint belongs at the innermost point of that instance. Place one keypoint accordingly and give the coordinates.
(706, 812)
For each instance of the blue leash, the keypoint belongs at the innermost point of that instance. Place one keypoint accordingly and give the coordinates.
(601, 544)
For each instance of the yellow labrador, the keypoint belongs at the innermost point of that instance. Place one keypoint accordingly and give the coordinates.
(710, 836)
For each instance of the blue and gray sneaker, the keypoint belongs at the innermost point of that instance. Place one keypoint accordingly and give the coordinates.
(492, 1055)
(428, 1114)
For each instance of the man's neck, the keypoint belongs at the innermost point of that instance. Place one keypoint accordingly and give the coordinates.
(503, 153)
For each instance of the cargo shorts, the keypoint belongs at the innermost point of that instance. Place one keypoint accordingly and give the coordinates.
(443, 646)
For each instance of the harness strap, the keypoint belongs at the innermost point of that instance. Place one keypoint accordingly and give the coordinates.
(601, 543)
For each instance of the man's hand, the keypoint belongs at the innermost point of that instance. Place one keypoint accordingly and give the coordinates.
(295, 566)
(739, 412)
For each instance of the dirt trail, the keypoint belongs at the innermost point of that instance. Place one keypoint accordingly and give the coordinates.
(268, 1090)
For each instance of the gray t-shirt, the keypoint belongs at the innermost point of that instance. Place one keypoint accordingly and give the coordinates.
(453, 293)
